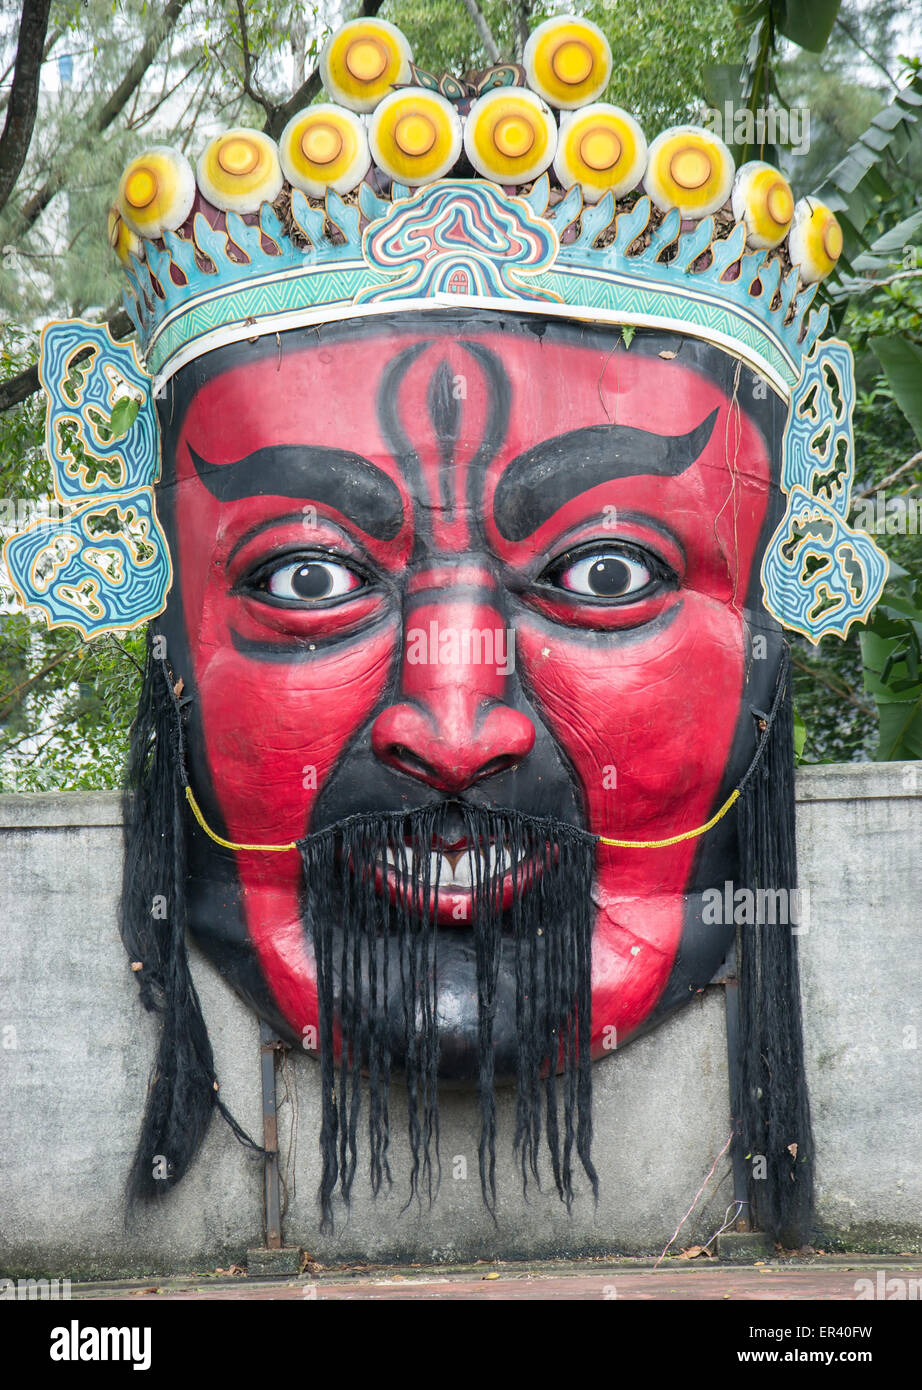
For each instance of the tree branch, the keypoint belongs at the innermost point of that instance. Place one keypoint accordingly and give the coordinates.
(891, 477)
(298, 40)
(23, 104)
(248, 86)
(521, 11)
(100, 120)
(890, 280)
(137, 121)
(56, 724)
(483, 29)
(198, 101)
(870, 56)
(837, 687)
(18, 693)
(49, 45)
(245, 45)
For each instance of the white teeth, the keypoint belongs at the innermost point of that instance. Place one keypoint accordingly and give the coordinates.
(471, 868)
(465, 872)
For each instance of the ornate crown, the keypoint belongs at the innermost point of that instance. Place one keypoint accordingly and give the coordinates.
(355, 212)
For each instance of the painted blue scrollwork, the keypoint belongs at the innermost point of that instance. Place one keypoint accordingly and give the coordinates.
(819, 575)
(106, 565)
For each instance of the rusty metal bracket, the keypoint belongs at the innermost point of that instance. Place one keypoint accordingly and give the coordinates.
(268, 1046)
(727, 976)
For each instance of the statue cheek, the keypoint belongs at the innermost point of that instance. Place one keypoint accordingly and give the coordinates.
(275, 730)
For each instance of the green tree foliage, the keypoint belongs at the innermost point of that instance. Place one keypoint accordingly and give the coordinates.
(660, 55)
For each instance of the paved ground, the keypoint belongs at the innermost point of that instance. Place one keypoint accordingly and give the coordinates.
(825, 1279)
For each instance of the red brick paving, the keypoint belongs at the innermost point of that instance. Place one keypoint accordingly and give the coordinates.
(690, 1283)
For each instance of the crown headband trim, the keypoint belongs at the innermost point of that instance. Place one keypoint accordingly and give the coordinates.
(464, 235)
(108, 567)
(637, 304)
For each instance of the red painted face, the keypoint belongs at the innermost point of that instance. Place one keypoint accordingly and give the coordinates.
(496, 563)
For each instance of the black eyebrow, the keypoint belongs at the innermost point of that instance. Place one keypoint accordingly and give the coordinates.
(313, 473)
(538, 482)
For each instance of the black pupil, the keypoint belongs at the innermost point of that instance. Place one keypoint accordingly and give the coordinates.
(312, 581)
(609, 577)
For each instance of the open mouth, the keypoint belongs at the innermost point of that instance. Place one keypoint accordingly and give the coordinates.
(449, 865)
(446, 882)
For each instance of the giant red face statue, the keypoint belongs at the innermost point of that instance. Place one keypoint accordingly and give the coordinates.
(482, 563)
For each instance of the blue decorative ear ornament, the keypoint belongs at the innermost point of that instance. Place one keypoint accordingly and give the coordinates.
(819, 574)
(105, 566)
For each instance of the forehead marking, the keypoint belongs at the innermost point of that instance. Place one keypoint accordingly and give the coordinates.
(460, 402)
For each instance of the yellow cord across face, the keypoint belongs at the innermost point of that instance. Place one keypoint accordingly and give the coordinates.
(673, 839)
(229, 844)
(602, 839)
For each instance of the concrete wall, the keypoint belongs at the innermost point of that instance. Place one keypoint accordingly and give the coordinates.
(76, 1049)
(859, 832)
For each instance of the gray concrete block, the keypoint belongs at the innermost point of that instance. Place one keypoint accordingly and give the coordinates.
(861, 963)
(76, 1050)
(74, 1083)
(661, 1116)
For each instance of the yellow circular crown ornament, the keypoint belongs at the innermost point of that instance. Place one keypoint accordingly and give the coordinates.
(121, 238)
(603, 149)
(567, 61)
(156, 192)
(690, 169)
(239, 170)
(510, 135)
(815, 242)
(762, 198)
(363, 61)
(415, 135)
(324, 147)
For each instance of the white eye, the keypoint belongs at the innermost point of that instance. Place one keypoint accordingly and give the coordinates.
(307, 581)
(606, 574)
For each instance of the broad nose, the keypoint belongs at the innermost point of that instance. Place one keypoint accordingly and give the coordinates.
(453, 726)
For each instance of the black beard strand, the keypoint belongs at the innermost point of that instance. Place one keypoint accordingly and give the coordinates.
(549, 922)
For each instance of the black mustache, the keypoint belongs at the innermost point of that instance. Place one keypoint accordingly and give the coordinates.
(447, 818)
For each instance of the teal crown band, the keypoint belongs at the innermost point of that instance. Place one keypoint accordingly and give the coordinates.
(458, 240)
